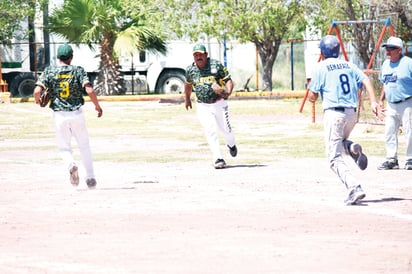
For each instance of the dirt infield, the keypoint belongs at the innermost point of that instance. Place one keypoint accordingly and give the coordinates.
(278, 215)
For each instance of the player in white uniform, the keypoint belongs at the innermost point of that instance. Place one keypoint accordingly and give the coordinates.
(396, 77)
(66, 84)
(338, 82)
(212, 108)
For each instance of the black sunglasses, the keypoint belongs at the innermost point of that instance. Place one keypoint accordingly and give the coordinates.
(391, 48)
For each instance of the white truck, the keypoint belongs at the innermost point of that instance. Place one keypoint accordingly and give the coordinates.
(145, 72)
(148, 72)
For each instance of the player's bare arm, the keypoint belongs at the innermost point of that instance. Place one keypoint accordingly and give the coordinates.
(381, 103)
(92, 94)
(313, 96)
(372, 98)
(188, 93)
(36, 94)
(229, 86)
(382, 97)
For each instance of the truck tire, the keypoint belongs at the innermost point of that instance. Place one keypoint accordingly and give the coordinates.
(171, 82)
(22, 85)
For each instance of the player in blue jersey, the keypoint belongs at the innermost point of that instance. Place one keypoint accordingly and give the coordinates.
(66, 84)
(338, 82)
(396, 77)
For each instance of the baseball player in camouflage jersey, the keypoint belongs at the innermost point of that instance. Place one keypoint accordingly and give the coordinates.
(65, 84)
(212, 107)
(338, 82)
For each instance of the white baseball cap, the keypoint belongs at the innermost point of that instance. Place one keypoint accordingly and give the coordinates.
(394, 42)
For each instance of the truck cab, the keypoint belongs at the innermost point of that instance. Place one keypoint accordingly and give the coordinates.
(144, 72)
(16, 60)
(148, 72)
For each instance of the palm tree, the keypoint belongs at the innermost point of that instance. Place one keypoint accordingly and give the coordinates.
(107, 23)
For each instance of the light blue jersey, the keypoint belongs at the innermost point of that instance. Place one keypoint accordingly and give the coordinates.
(338, 82)
(397, 79)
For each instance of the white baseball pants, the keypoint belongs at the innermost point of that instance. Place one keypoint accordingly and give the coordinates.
(338, 126)
(397, 115)
(70, 124)
(215, 117)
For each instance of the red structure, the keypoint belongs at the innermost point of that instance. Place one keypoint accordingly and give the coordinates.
(334, 28)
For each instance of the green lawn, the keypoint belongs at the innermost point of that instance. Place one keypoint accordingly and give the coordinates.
(264, 129)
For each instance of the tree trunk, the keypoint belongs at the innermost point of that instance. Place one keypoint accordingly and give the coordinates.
(109, 81)
(268, 51)
(365, 39)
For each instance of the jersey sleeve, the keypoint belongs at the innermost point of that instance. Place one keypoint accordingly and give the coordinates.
(83, 77)
(43, 78)
(315, 83)
(188, 75)
(360, 75)
(223, 73)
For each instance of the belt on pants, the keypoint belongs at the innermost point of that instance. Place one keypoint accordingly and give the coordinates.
(342, 109)
(209, 102)
(403, 100)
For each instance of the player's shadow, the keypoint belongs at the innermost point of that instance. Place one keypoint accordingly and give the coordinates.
(384, 200)
(248, 166)
(121, 187)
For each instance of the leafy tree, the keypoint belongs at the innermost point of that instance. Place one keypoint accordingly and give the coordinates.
(364, 40)
(12, 14)
(403, 10)
(111, 24)
(265, 23)
(363, 36)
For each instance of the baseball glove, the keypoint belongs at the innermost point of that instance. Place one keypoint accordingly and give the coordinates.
(44, 98)
(222, 92)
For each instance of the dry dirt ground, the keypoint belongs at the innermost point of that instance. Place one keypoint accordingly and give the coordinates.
(279, 216)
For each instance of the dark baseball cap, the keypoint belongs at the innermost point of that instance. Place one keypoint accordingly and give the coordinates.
(199, 48)
(64, 52)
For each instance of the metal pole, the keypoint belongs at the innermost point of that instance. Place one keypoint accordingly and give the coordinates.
(1, 72)
(224, 52)
(132, 75)
(257, 69)
(292, 84)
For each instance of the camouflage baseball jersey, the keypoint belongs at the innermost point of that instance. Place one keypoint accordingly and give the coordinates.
(202, 79)
(66, 86)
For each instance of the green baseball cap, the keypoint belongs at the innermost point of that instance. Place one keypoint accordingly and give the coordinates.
(199, 48)
(64, 52)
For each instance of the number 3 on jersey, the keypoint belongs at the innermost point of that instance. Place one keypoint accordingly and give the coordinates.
(344, 83)
(64, 89)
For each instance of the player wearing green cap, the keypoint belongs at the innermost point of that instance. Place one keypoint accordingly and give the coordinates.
(65, 84)
(211, 82)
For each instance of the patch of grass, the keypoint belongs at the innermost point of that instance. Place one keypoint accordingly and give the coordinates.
(265, 130)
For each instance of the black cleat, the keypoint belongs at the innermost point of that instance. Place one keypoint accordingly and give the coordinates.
(233, 150)
(390, 164)
(357, 155)
(91, 182)
(219, 164)
(355, 194)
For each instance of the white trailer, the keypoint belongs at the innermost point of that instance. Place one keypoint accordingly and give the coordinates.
(148, 72)
(145, 72)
